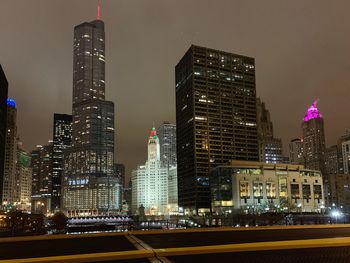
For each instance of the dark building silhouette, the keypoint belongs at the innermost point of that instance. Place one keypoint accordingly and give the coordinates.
(10, 158)
(270, 148)
(119, 170)
(3, 116)
(215, 119)
(62, 139)
(41, 164)
(296, 152)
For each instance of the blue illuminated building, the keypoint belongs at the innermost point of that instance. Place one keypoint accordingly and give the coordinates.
(11, 103)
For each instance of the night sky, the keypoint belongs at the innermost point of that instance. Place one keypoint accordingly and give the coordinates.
(301, 50)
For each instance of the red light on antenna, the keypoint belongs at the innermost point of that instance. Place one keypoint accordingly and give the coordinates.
(98, 11)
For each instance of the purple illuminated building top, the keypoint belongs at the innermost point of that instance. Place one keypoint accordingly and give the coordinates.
(313, 112)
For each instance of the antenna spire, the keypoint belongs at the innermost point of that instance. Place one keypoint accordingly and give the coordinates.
(99, 10)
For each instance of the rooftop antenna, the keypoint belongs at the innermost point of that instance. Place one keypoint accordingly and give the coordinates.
(99, 10)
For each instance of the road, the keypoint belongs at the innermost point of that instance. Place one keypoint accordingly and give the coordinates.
(206, 245)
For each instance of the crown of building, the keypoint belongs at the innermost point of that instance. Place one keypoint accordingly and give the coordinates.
(313, 112)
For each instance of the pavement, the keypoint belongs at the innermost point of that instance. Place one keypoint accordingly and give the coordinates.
(261, 244)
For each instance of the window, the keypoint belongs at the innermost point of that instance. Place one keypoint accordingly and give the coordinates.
(271, 190)
(306, 192)
(295, 192)
(317, 192)
(244, 190)
(258, 190)
(283, 186)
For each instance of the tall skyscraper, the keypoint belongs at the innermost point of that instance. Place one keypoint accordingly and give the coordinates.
(167, 140)
(270, 148)
(150, 181)
(3, 117)
(119, 170)
(331, 164)
(62, 139)
(89, 182)
(215, 119)
(41, 164)
(296, 154)
(314, 144)
(23, 188)
(8, 190)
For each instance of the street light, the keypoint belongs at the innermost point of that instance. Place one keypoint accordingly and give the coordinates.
(301, 208)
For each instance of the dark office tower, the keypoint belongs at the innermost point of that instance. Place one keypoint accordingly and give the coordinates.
(41, 164)
(119, 170)
(343, 145)
(167, 141)
(62, 139)
(314, 139)
(8, 189)
(331, 160)
(89, 182)
(3, 116)
(296, 154)
(215, 119)
(270, 148)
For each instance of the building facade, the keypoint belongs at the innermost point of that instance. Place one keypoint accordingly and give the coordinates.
(296, 155)
(331, 160)
(344, 153)
(254, 187)
(3, 131)
(90, 184)
(62, 140)
(215, 119)
(270, 148)
(150, 181)
(42, 164)
(314, 144)
(339, 192)
(9, 180)
(167, 140)
(119, 170)
(23, 179)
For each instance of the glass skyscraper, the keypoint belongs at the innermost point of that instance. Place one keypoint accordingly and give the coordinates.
(89, 182)
(215, 119)
(167, 141)
(62, 139)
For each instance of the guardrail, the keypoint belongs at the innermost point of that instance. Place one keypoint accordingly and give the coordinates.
(181, 251)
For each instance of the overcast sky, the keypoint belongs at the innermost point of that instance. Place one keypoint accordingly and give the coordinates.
(301, 49)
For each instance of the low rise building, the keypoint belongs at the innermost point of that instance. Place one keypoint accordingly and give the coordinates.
(254, 187)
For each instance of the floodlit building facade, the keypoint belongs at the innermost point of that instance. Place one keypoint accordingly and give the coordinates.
(150, 182)
(215, 119)
(254, 187)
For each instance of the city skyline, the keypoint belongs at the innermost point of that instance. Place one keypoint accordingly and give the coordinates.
(310, 37)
